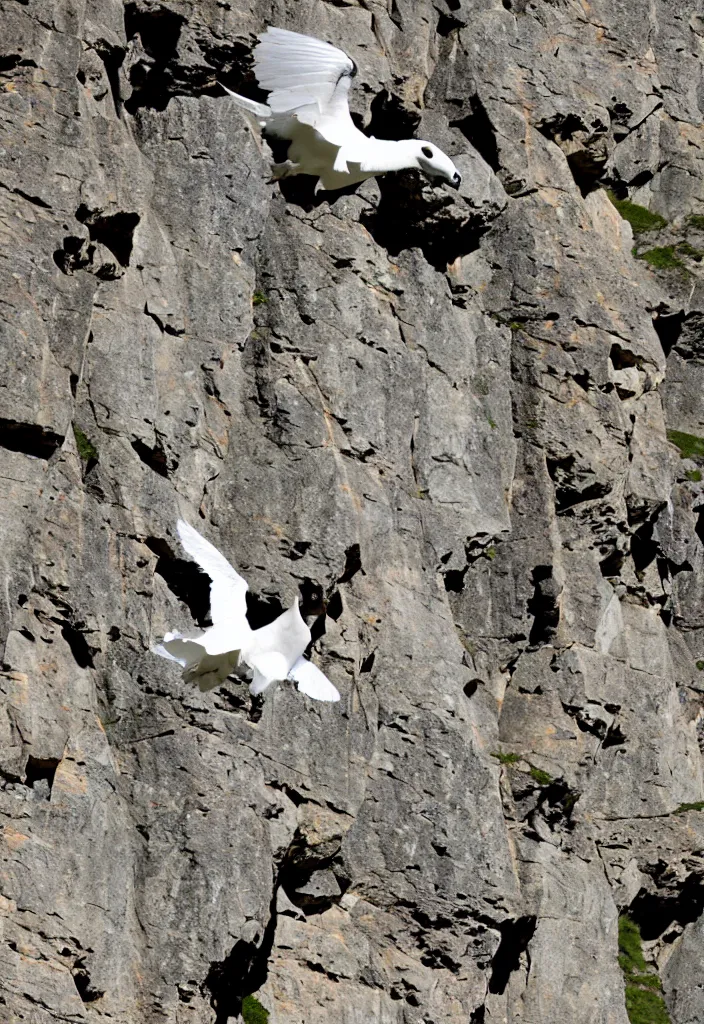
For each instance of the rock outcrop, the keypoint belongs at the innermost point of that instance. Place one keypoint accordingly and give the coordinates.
(473, 421)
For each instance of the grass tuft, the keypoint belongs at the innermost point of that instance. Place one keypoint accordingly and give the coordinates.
(644, 1004)
(639, 217)
(645, 1007)
(698, 806)
(253, 1012)
(259, 299)
(662, 259)
(694, 475)
(689, 250)
(541, 777)
(630, 947)
(86, 448)
(696, 220)
(690, 446)
(505, 758)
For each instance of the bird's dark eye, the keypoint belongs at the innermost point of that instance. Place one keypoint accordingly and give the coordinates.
(427, 151)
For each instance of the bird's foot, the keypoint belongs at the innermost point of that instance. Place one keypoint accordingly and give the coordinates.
(284, 170)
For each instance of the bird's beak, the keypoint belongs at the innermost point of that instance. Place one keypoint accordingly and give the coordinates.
(455, 181)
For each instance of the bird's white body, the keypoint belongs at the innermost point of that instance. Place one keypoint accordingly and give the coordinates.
(273, 652)
(308, 82)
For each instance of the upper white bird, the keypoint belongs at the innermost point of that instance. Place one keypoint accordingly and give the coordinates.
(273, 652)
(308, 82)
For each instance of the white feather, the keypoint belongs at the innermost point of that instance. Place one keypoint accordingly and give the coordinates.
(267, 669)
(308, 82)
(228, 604)
(306, 76)
(312, 681)
(272, 652)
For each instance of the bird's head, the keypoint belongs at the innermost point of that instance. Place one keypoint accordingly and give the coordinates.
(312, 599)
(436, 165)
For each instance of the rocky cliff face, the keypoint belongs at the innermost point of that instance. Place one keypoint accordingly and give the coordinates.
(450, 413)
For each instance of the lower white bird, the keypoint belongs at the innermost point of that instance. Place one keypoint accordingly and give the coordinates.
(308, 82)
(274, 652)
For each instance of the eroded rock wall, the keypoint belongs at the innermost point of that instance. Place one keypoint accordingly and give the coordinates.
(448, 412)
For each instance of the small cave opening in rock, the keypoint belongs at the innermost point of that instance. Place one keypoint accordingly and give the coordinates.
(184, 580)
(115, 231)
(478, 130)
(544, 606)
(82, 981)
(40, 770)
(262, 609)
(390, 119)
(623, 358)
(454, 580)
(412, 215)
(159, 30)
(615, 737)
(233, 67)
(242, 973)
(448, 23)
(583, 145)
(367, 663)
(573, 484)
(557, 803)
(612, 563)
(29, 438)
(334, 607)
(656, 912)
(75, 638)
(74, 254)
(515, 937)
(353, 564)
(311, 885)
(112, 58)
(643, 548)
(154, 458)
(470, 688)
(668, 327)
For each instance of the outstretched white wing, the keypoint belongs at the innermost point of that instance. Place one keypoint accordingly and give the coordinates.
(308, 78)
(312, 681)
(228, 605)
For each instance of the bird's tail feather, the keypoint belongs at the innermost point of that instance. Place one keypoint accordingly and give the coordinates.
(260, 111)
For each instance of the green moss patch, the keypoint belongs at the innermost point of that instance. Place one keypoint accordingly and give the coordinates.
(259, 299)
(506, 758)
(690, 446)
(639, 217)
(662, 258)
(541, 777)
(630, 947)
(698, 806)
(694, 475)
(253, 1012)
(689, 250)
(696, 220)
(644, 1004)
(86, 448)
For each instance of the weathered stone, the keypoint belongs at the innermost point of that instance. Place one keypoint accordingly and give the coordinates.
(450, 413)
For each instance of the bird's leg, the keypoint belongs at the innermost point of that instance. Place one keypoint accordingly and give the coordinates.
(284, 170)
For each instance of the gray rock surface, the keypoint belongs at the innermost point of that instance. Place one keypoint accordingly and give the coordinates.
(449, 412)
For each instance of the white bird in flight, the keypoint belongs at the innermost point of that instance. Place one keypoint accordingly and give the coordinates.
(274, 652)
(308, 82)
